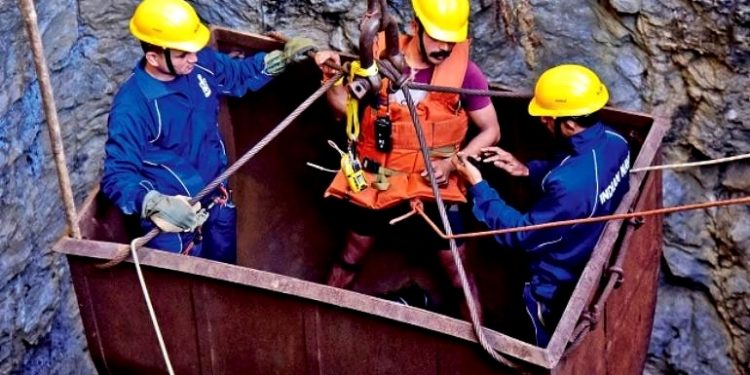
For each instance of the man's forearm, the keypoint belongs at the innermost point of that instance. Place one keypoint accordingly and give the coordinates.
(485, 138)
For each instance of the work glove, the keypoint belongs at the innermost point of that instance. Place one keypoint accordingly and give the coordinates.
(295, 50)
(172, 213)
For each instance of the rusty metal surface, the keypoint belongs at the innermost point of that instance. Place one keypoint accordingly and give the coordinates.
(619, 343)
(271, 315)
(588, 358)
(186, 269)
(629, 314)
(260, 323)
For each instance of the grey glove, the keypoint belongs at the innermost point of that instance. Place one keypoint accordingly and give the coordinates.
(274, 63)
(295, 50)
(172, 213)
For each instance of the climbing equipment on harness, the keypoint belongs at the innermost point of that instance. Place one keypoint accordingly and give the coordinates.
(566, 91)
(381, 173)
(446, 130)
(352, 169)
(170, 24)
(383, 131)
(383, 126)
(352, 119)
(376, 20)
(352, 102)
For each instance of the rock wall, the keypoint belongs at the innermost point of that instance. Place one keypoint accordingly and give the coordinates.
(40, 330)
(684, 60)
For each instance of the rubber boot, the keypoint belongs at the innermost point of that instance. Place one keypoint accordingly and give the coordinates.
(446, 260)
(346, 268)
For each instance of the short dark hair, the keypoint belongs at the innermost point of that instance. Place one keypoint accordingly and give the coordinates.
(585, 121)
(148, 47)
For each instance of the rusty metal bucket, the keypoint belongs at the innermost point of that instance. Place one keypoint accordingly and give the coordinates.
(271, 314)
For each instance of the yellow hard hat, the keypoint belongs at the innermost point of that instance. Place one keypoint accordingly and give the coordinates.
(444, 20)
(169, 24)
(568, 90)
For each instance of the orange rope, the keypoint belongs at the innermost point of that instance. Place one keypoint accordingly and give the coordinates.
(660, 211)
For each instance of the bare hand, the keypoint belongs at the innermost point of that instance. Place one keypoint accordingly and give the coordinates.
(442, 168)
(320, 59)
(466, 169)
(504, 160)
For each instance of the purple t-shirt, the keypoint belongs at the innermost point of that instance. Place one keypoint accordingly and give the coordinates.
(474, 79)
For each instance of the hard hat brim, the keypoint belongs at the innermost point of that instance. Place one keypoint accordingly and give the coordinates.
(444, 35)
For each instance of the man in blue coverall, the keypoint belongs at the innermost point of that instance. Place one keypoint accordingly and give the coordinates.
(164, 144)
(588, 178)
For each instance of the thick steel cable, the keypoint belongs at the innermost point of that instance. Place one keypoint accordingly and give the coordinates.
(523, 95)
(124, 252)
(476, 324)
(50, 111)
(455, 90)
(554, 224)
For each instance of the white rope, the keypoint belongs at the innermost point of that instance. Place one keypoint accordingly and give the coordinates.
(324, 169)
(150, 307)
(690, 165)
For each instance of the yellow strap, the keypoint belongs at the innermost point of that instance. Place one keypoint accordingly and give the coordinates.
(352, 118)
(356, 69)
(352, 104)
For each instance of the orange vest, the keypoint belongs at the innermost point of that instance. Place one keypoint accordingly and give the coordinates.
(445, 124)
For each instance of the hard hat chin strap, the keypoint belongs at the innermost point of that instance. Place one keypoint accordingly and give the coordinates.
(168, 59)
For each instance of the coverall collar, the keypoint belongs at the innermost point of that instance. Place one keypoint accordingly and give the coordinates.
(151, 87)
(587, 139)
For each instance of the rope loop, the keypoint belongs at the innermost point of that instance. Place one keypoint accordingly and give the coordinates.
(352, 118)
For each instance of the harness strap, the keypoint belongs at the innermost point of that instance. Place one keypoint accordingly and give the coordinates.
(381, 182)
(444, 152)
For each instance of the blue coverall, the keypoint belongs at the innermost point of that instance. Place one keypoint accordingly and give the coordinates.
(588, 180)
(164, 136)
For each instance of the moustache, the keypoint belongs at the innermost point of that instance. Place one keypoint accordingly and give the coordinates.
(439, 55)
